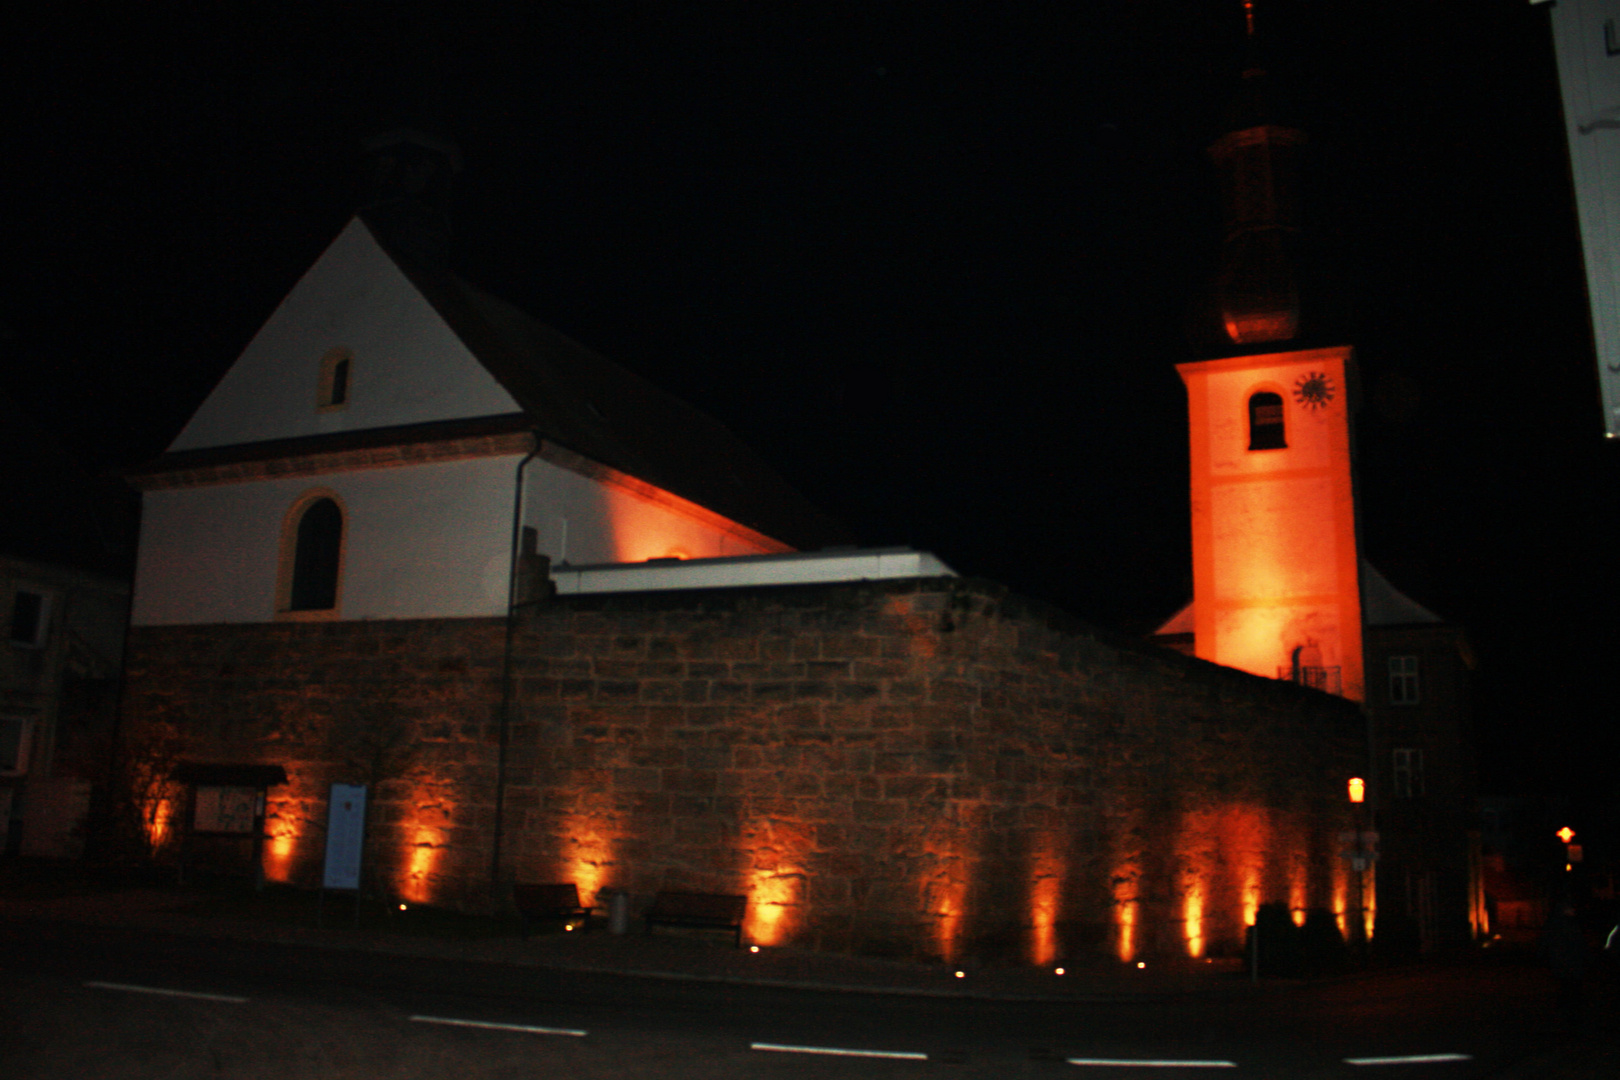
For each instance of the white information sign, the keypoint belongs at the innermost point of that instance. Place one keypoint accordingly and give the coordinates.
(345, 836)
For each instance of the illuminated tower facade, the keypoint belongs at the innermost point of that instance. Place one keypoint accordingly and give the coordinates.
(1275, 566)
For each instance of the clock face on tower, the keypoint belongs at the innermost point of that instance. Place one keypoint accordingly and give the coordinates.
(1313, 391)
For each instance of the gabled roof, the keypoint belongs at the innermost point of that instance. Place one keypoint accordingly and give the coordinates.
(1382, 604)
(586, 402)
(578, 399)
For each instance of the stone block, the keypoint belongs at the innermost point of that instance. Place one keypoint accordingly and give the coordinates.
(690, 781)
(771, 691)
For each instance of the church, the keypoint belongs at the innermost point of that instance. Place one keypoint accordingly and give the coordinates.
(565, 628)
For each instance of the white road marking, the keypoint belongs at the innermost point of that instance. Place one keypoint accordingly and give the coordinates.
(168, 993)
(1409, 1059)
(530, 1028)
(838, 1051)
(1153, 1063)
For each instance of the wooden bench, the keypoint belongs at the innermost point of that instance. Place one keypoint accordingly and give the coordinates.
(549, 902)
(709, 911)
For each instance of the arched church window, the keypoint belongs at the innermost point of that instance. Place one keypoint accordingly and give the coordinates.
(317, 554)
(1266, 422)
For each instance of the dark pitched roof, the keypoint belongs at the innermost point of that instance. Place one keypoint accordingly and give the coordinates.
(587, 403)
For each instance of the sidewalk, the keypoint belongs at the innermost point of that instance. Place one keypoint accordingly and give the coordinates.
(286, 917)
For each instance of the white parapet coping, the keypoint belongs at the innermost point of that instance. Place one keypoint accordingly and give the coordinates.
(797, 568)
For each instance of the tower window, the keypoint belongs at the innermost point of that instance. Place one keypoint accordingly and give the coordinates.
(1404, 687)
(1266, 422)
(317, 554)
(1407, 775)
(30, 618)
(335, 371)
(15, 732)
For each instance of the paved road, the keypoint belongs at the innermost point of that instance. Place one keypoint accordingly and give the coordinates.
(76, 1002)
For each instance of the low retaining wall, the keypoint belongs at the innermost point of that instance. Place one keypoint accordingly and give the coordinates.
(929, 767)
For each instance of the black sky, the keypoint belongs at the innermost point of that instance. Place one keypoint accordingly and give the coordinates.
(934, 261)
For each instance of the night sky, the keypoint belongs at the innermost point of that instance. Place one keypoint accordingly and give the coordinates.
(935, 262)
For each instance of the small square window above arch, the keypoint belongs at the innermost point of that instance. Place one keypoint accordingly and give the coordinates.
(337, 373)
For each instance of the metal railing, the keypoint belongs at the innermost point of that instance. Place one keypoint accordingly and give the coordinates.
(1317, 678)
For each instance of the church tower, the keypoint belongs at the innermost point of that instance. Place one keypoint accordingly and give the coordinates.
(1279, 588)
(1275, 565)
(1275, 562)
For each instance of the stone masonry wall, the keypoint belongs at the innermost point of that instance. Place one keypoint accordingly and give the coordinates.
(928, 768)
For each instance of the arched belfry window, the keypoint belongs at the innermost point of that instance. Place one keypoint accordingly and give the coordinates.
(311, 557)
(1266, 422)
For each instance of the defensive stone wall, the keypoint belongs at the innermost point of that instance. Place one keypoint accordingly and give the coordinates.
(929, 767)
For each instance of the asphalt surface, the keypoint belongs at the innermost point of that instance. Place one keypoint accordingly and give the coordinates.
(114, 961)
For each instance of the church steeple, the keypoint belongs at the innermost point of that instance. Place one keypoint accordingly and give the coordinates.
(408, 154)
(1257, 293)
(1276, 568)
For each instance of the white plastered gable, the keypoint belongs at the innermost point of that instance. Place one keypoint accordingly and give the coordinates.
(408, 366)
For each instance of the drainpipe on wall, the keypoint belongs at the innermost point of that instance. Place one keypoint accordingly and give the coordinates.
(506, 671)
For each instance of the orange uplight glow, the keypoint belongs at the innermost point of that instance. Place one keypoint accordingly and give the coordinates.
(1358, 789)
(1341, 892)
(422, 859)
(1198, 850)
(1195, 921)
(1246, 835)
(1369, 903)
(159, 823)
(947, 913)
(774, 898)
(1125, 916)
(1044, 903)
(424, 836)
(278, 855)
(776, 851)
(1127, 881)
(1299, 871)
(644, 521)
(587, 855)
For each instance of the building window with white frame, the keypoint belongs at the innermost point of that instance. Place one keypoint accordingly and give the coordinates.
(1404, 685)
(1407, 774)
(30, 621)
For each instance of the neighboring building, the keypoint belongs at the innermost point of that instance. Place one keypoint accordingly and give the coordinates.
(567, 628)
(64, 604)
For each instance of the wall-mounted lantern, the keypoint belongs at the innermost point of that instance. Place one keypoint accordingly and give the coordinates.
(1358, 789)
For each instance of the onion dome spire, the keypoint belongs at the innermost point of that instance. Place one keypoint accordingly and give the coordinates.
(1257, 288)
